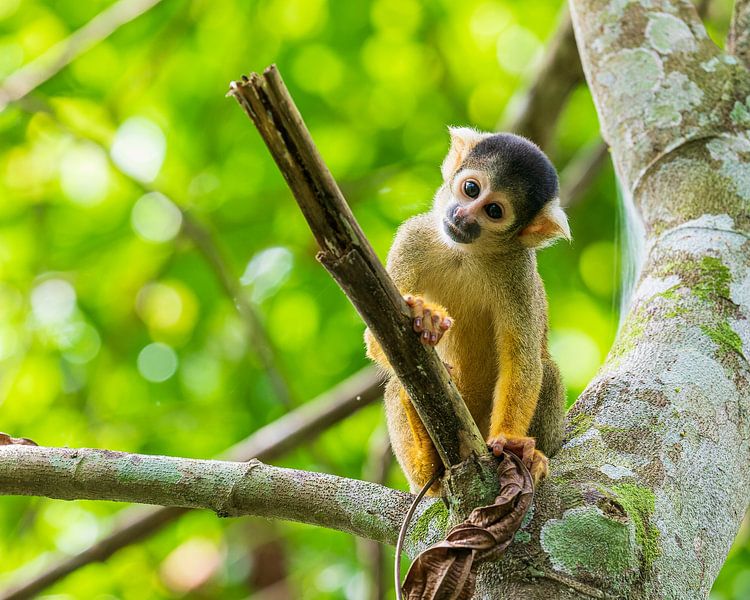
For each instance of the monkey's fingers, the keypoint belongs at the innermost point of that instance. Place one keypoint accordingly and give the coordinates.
(428, 319)
(429, 334)
(524, 448)
(416, 304)
(441, 324)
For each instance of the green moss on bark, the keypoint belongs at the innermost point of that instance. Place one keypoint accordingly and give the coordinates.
(587, 543)
(714, 279)
(579, 424)
(434, 519)
(639, 502)
(725, 338)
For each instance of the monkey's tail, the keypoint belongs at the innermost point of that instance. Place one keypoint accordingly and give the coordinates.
(404, 527)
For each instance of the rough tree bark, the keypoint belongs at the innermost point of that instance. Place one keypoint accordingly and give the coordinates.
(648, 492)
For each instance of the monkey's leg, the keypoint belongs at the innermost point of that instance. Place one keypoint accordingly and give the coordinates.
(515, 401)
(547, 425)
(410, 441)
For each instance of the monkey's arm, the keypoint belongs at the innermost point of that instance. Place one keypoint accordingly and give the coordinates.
(517, 395)
(517, 388)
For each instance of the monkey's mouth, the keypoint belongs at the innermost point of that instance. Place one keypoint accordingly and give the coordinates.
(459, 234)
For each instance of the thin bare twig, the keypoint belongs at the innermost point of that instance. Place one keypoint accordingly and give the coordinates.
(269, 442)
(209, 249)
(26, 79)
(254, 329)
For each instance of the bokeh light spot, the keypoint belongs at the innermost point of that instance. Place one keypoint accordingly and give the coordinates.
(9, 342)
(190, 565)
(577, 355)
(598, 268)
(53, 301)
(267, 271)
(159, 305)
(84, 174)
(138, 148)
(83, 344)
(294, 320)
(155, 218)
(157, 362)
(317, 69)
(517, 50)
(487, 21)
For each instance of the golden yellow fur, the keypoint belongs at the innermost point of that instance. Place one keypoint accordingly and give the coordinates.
(496, 345)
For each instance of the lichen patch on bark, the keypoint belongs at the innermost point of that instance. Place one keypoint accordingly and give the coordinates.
(587, 543)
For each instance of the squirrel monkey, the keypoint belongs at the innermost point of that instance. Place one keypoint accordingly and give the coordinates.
(473, 257)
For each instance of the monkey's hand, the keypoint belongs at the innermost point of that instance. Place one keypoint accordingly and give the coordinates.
(429, 319)
(525, 449)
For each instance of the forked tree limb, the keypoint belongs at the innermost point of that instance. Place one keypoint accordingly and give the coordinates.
(348, 256)
(141, 523)
(269, 442)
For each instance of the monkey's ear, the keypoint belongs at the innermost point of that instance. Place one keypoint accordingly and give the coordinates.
(549, 225)
(463, 139)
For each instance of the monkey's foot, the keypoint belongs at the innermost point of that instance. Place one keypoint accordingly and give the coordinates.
(525, 449)
(6, 440)
(431, 320)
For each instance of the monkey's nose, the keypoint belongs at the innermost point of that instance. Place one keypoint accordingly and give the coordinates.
(459, 213)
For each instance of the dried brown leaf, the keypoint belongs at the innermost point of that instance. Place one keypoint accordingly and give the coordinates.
(447, 570)
(6, 440)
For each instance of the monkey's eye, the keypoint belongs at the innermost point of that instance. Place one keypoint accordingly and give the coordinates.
(494, 211)
(471, 188)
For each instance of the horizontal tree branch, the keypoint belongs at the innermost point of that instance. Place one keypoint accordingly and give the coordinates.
(269, 442)
(230, 489)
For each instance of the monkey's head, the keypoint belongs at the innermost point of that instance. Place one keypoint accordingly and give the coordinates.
(500, 193)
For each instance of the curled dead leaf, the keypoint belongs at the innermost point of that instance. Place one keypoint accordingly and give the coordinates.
(447, 570)
(6, 440)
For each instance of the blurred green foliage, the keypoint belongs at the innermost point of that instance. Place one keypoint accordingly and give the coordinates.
(115, 330)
